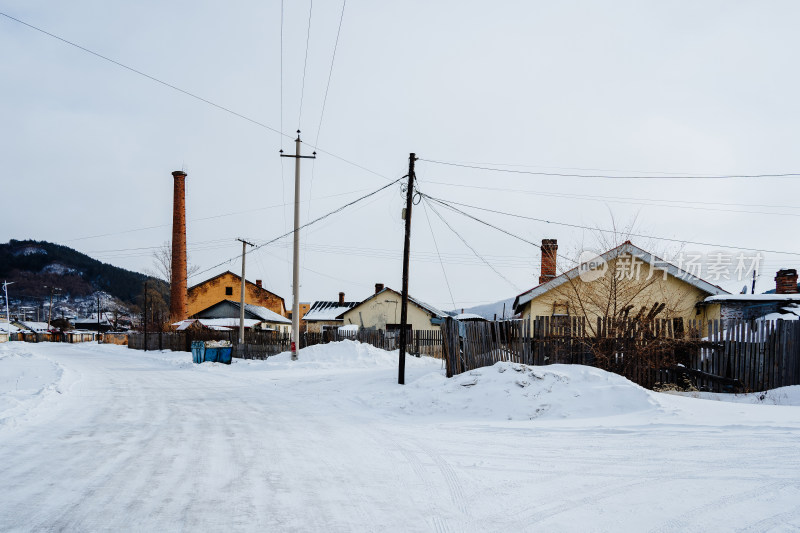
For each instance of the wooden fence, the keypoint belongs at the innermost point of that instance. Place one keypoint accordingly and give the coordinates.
(263, 344)
(722, 356)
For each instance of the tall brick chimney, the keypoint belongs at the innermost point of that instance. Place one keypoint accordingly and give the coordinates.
(178, 299)
(341, 297)
(786, 281)
(378, 287)
(549, 252)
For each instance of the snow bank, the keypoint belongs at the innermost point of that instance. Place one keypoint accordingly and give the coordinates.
(509, 391)
(779, 396)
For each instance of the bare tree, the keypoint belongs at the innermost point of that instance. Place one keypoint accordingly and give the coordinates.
(162, 263)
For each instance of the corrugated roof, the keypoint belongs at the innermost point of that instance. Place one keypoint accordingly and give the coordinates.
(328, 310)
(263, 313)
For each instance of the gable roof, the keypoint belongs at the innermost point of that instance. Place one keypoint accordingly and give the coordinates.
(627, 248)
(328, 310)
(431, 310)
(262, 313)
(246, 282)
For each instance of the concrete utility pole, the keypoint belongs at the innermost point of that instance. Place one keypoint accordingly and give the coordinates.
(5, 290)
(296, 256)
(401, 370)
(241, 302)
(144, 316)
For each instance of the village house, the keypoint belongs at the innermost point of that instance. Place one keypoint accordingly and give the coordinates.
(227, 286)
(255, 316)
(381, 311)
(324, 315)
(783, 303)
(625, 281)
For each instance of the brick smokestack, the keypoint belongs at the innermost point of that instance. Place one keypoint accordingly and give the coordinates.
(378, 287)
(178, 304)
(341, 297)
(786, 281)
(549, 252)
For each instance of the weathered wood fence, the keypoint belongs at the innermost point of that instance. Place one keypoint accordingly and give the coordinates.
(722, 356)
(263, 344)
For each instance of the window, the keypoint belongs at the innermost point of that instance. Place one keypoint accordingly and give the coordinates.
(228, 291)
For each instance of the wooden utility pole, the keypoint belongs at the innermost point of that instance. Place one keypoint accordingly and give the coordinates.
(401, 369)
(296, 257)
(241, 301)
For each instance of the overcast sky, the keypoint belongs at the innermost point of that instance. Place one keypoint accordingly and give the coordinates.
(618, 88)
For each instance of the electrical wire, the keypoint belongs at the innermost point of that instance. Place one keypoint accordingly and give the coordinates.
(190, 94)
(305, 65)
(450, 205)
(444, 272)
(607, 176)
(471, 248)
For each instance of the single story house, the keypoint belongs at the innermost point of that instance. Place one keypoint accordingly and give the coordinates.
(326, 314)
(381, 311)
(625, 281)
(230, 309)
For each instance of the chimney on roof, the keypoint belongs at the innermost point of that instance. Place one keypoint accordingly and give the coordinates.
(258, 283)
(178, 297)
(786, 281)
(378, 287)
(341, 298)
(549, 252)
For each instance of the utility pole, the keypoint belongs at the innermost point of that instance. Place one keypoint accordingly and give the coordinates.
(753, 288)
(144, 315)
(241, 302)
(401, 371)
(296, 257)
(5, 290)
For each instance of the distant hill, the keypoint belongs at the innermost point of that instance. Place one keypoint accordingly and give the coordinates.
(488, 311)
(32, 265)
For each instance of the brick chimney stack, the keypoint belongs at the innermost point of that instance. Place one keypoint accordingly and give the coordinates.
(378, 287)
(178, 298)
(341, 297)
(786, 281)
(549, 252)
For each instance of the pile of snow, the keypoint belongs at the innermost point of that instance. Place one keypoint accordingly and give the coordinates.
(779, 396)
(510, 391)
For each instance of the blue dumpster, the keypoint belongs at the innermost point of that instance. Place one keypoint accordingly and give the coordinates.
(215, 354)
(219, 355)
(198, 351)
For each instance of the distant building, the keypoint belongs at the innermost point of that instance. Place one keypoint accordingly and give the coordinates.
(381, 311)
(263, 318)
(782, 303)
(227, 286)
(323, 315)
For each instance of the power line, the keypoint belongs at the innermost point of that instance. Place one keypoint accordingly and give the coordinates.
(330, 72)
(450, 205)
(318, 219)
(704, 206)
(305, 64)
(607, 176)
(444, 272)
(471, 248)
(187, 93)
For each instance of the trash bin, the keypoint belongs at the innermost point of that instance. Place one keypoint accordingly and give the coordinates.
(198, 351)
(219, 355)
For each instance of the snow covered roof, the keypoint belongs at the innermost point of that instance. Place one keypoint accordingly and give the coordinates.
(754, 298)
(328, 310)
(5, 327)
(419, 303)
(222, 324)
(468, 316)
(624, 249)
(38, 327)
(263, 313)
(92, 319)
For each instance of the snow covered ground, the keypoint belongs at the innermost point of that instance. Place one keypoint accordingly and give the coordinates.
(96, 437)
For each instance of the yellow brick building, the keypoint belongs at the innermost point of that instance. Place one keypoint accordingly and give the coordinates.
(227, 286)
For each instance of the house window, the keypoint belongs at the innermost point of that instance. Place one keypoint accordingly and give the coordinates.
(228, 291)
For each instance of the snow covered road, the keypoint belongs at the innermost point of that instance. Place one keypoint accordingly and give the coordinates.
(101, 438)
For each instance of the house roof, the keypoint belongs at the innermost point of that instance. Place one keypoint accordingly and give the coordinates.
(37, 327)
(419, 303)
(328, 310)
(468, 316)
(264, 314)
(753, 298)
(623, 249)
(216, 323)
(5, 327)
(239, 278)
